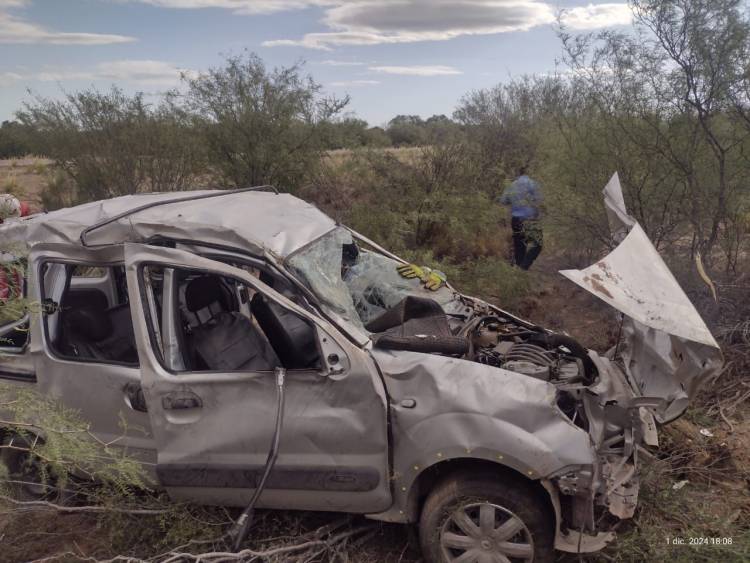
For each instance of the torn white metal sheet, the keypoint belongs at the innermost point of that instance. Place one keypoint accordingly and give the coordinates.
(634, 279)
(667, 349)
(619, 220)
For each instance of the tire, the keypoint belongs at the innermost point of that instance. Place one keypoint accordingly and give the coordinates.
(486, 518)
(28, 480)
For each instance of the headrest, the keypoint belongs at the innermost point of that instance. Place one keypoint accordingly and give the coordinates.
(203, 291)
(92, 323)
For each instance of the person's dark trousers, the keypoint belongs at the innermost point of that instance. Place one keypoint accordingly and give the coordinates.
(527, 241)
(519, 240)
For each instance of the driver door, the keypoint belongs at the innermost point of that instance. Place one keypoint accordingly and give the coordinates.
(213, 429)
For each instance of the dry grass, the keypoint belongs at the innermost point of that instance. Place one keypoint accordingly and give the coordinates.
(31, 535)
(339, 157)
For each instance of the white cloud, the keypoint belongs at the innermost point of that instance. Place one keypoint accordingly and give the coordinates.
(14, 29)
(390, 21)
(240, 6)
(437, 16)
(348, 83)
(7, 78)
(596, 16)
(370, 22)
(340, 63)
(141, 72)
(417, 70)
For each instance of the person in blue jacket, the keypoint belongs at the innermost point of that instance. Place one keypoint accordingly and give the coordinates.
(524, 196)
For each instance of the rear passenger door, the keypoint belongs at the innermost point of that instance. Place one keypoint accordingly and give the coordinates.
(90, 369)
(213, 427)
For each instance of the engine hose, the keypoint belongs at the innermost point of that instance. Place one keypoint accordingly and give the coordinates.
(241, 526)
(554, 340)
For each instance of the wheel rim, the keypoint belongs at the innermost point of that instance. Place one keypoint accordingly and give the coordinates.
(483, 532)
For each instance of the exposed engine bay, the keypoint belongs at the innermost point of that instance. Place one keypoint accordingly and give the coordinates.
(478, 333)
(499, 342)
(421, 325)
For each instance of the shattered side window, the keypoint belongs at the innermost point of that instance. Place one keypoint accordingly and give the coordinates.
(319, 267)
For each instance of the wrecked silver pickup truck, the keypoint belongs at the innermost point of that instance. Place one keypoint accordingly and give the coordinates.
(224, 321)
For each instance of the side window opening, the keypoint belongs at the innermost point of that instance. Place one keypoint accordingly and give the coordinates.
(14, 316)
(207, 322)
(83, 271)
(87, 315)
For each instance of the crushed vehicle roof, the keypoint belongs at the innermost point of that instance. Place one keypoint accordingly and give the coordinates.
(255, 221)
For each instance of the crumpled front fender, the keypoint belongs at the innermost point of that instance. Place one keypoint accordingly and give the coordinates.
(450, 409)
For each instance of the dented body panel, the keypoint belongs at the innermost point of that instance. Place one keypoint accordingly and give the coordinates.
(447, 408)
(256, 222)
(367, 425)
(335, 442)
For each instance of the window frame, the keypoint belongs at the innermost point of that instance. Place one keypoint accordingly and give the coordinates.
(49, 347)
(147, 297)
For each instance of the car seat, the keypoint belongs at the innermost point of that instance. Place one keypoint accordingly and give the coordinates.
(223, 339)
(97, 334)
(292, 337)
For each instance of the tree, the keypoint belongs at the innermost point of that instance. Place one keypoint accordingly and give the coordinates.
(348, 132)
(14, 140)
(441, 129)
(504, 125)
(260, 126)
(406, 130)
(667, 101)
(377, 137)
(111, 143)
(706, 43)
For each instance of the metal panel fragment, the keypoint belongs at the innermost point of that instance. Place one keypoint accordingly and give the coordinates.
(666, 349)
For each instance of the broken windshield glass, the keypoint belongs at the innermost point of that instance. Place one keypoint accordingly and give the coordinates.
(355, 284)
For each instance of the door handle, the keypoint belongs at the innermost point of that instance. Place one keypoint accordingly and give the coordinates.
(181, 401)
(135, 398)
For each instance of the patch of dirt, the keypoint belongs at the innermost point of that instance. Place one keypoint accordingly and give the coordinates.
(25, 536)
(562, 306)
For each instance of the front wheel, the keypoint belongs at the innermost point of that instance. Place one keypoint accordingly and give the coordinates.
(485, 519)
(27, 476)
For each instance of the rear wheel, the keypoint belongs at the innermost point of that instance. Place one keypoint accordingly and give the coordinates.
(485, 519)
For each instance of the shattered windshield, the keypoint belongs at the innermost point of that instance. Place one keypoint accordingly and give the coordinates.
(356, 284)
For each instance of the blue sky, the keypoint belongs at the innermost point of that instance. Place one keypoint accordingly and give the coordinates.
(391, 56)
